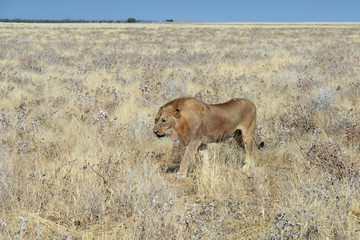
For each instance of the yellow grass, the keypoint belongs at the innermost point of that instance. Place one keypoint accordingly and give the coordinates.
(78, 159)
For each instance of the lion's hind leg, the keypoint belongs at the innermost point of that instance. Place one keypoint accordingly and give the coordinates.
(203, 151)
(239, 139)
(247, 137)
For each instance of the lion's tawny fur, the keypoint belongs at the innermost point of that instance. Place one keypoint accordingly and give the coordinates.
(196, 123)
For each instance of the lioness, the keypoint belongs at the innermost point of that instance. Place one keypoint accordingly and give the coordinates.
(196, 123)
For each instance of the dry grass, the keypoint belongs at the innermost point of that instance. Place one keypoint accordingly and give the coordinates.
(78, 159)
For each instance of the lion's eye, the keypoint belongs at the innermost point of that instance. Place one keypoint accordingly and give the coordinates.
(163, 121)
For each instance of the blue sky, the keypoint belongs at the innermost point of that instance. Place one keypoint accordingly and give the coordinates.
(186, 10)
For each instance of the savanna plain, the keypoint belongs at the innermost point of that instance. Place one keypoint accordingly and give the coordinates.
(79, 160)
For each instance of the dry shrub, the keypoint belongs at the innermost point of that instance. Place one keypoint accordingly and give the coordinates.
(32, 63)
(329, 156)
(138, 197)
(333, 60)
(323, 99)
(312, 113)
(307, 77)
(352, 135)
(5, 120)
(157, 91)
(106, 61)
(283, 227)
(353, 92)
(204, 220)
(298, 117)
(58, 102)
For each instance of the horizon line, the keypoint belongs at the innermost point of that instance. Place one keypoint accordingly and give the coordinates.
(169, 20)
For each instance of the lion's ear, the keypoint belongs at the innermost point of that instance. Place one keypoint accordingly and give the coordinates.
(177, 113)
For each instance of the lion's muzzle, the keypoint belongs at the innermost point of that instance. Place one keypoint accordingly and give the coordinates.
(159, 135)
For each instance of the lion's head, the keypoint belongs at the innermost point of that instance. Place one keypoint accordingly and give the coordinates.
(166, 121)
(177, 118)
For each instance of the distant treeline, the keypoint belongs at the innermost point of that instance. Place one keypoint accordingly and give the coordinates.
(17, 20)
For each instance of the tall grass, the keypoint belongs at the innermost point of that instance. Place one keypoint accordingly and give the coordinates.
(78, 159)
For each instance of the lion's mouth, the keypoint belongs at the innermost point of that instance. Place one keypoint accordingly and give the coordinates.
(159, 135)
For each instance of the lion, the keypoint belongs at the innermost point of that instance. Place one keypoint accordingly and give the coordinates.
(195, 124)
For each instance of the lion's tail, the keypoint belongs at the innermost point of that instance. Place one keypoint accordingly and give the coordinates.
(259, 146)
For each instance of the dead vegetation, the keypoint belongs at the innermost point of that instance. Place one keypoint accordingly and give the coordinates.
(78, 159)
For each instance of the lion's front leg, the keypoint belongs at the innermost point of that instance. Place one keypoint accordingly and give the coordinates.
(190, 151)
